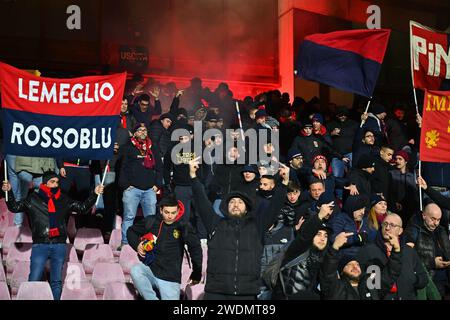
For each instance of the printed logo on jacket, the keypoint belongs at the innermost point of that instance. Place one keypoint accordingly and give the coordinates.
(49, 117)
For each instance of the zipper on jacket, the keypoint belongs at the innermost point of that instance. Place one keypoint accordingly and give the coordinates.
(237, 260)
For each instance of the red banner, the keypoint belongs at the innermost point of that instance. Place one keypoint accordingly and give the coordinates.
(435, 133)
(46, 117)
(430, 57)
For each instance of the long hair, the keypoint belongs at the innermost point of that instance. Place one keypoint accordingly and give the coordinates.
(372, 218)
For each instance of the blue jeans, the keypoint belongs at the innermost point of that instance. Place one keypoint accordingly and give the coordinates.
(18, 187)
(132, 197)
(145, 281)
(338, 166)
(40, 253)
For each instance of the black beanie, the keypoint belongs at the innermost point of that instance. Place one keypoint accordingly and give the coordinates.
(48, 175)
(365, 161)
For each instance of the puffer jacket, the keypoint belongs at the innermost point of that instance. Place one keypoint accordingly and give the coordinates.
(235, 244)
(37, 212)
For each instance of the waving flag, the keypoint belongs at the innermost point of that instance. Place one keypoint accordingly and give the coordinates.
(430, 57)
(45, 117)
(435, 132)
(348, 60)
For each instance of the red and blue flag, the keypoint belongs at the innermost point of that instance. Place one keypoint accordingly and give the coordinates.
(349, 60)
(47, 117)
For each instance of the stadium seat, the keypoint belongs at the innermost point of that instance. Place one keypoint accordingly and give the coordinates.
(35, 290)
(15, 234)
(19, 275)
(95, 254)
(195, 292)
(87, 236)
(18, 252)
(83, 290)
(119, 291)
(115, 241)
(127, 259)
(105, 273)
(4, 292)
(73, 272)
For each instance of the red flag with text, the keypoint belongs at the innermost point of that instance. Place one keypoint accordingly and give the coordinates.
(435, 133)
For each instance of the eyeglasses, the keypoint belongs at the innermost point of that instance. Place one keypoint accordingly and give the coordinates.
(391, 225)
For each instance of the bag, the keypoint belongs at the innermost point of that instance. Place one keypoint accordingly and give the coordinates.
(430, 292)
(272, 271)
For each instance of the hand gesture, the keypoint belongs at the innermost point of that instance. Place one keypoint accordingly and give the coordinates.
(320, 174)
(62, 172)
(346, 160)
(299, 224)
(335, 132)
(440, 263)
(193, 166)
(155, 93)
(284, 173)
(341, 239)
(395, 243)
(179, 93)
(326, 210)
(353, 190)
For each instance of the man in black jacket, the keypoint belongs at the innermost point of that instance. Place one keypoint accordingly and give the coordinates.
(235, 241)
(360, 175)
(380, 178)
(431, 243)
(159, 241)
(353, 284)
(412, 276)
(140, 177)
(342, 132)
(47, 209)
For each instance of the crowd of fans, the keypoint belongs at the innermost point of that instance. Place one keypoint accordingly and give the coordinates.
(329, 209)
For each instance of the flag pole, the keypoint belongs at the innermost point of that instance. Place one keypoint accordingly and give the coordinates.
(420, 189)
(6, 178)
(103, 181)
(240, 123)
(367, 109)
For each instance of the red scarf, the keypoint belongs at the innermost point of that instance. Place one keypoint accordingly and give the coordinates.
(123, 120)
(144, 147)
(47, 194)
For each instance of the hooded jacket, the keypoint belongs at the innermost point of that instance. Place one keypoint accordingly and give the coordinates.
(344, 222)
(235, 244)
(334, 288)
(299, 270)
(169, 248)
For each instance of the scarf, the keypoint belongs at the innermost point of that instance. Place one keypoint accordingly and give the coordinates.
(123, 120)
(144, 147)
(48, 195)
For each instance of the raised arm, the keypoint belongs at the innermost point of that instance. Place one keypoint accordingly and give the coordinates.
(203, 205)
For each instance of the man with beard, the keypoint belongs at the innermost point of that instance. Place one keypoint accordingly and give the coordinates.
(265, 193)
(412, 275)
(352, 283)
(235, 240)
